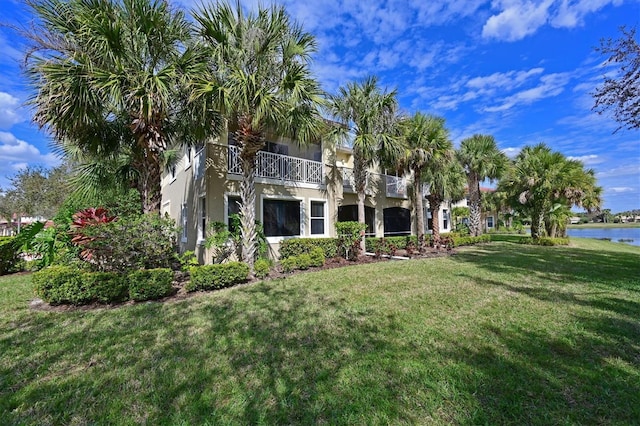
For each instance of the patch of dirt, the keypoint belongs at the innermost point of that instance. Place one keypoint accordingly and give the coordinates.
(181, 278)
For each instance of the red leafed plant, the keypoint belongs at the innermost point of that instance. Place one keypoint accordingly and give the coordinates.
(84, 219)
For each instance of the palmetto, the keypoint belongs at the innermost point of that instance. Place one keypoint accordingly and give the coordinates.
(108, 77)
(257, 76)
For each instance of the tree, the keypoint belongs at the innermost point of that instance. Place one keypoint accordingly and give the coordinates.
(446, 180)
(622, 92)
(427, 146)
(258, 78)
(108, 77)
(370, 115)
(481, 159)
(542, 178)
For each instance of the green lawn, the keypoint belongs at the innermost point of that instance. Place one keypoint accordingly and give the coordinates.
(497, 334)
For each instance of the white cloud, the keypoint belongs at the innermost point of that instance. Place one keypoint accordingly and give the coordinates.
(619, 189)
(551, 85)
(512, 152)
(503, 80)
(516, 20)
(15, 153)
(9, 114)
(587, 159)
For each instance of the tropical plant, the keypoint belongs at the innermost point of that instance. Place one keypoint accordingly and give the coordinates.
(481, 159)
(446, 180)
(370, 117)
(108, 77)
(257, 77)
(427, 150)
(542, 178)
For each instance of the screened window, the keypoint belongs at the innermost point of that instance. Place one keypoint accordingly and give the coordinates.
(445, 219)
(490, 222)
(233, 210)
(397, 221)
(184, 222)
(317, 217)
(202, 223)
(350, 213)
(281, 218)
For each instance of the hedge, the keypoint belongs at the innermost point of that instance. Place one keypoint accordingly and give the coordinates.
(298, 246)
(211, 277)
(466, 240)
(544, 241)
(9, 256)
(400, 242)
(149, 284)
(68, 285)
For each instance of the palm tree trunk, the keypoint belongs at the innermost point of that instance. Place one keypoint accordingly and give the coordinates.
(149, 171)
(248, 210)
(360, 181)
(434, 205)
(537, 222)
(419, 210)
(475, 228)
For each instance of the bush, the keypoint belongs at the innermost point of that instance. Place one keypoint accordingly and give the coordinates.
(457, 240)
(9, 256)
(400, 242)
(61, 285)
(544, 241)
(211, 277)
(289, 264)
(298, 246)
(149, 284)
(106, 287)
(349, 237)
(261, 268)
(132, 243)
(303, 261)
(317, 257)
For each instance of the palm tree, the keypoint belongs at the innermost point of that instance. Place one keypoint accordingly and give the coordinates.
(427, 147)
(370, 116)
(481, 159)
(258, 78)
(541, 178)
(446, 180)
(108, 77)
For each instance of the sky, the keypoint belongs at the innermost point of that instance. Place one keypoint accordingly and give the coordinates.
(520, 70)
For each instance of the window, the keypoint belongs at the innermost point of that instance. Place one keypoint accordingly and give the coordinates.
(189, 157)
(317, 217)
(184, 222)
(490, 222)
(276, 148)
(202, 223)
(445, 219)
(397, 221)
(173, 172)
(281, 218)
(350, 213)
(233, 208)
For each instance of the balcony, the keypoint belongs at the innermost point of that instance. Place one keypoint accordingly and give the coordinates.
(348, 181)
(279, 167)
(396, 186)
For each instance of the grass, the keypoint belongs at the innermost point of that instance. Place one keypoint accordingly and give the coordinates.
(497, 334)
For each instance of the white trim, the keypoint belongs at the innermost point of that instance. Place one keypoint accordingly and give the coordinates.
(184, 222)
(226, 204)
(280, 182)
(277, 239)
(325, 217)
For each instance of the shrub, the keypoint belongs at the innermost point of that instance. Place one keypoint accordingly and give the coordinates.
(261, 268)
(317, 257)
(149, 284)
(298, 246)
(61, 285)
(9, 256)
(187, 260)
(210, 277)
(457, 240)
(132, 243)
(401, 243)
(303, 261)
(349, 237)
(106, 287)
(289, 264)
(544, 241)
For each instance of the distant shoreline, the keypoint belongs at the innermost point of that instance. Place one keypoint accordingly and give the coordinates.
(605, 225)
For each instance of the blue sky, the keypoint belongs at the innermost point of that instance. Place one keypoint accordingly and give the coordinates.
(520, 70)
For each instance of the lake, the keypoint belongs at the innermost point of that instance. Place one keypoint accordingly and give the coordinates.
(615, 234)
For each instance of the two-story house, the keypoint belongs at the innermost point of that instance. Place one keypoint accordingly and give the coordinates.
(300, 192)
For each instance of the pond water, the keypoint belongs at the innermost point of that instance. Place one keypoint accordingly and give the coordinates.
(614, 234)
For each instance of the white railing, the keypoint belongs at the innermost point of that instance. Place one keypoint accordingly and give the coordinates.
(348, 180)
(396, 186)
(279, 167)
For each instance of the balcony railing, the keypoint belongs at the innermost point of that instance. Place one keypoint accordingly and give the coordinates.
(279, 167)
(396, 186)
(348, 180)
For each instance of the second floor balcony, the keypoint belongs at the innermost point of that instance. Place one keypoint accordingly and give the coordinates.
(279, 167)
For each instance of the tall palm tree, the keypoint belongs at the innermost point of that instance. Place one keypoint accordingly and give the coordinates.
(481, 159)
(446, 180)
(258, 78)
(427, 146)
(542, 178)
(370, 116)
(108, 77)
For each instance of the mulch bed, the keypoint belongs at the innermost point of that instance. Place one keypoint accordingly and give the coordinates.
(181, 278)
